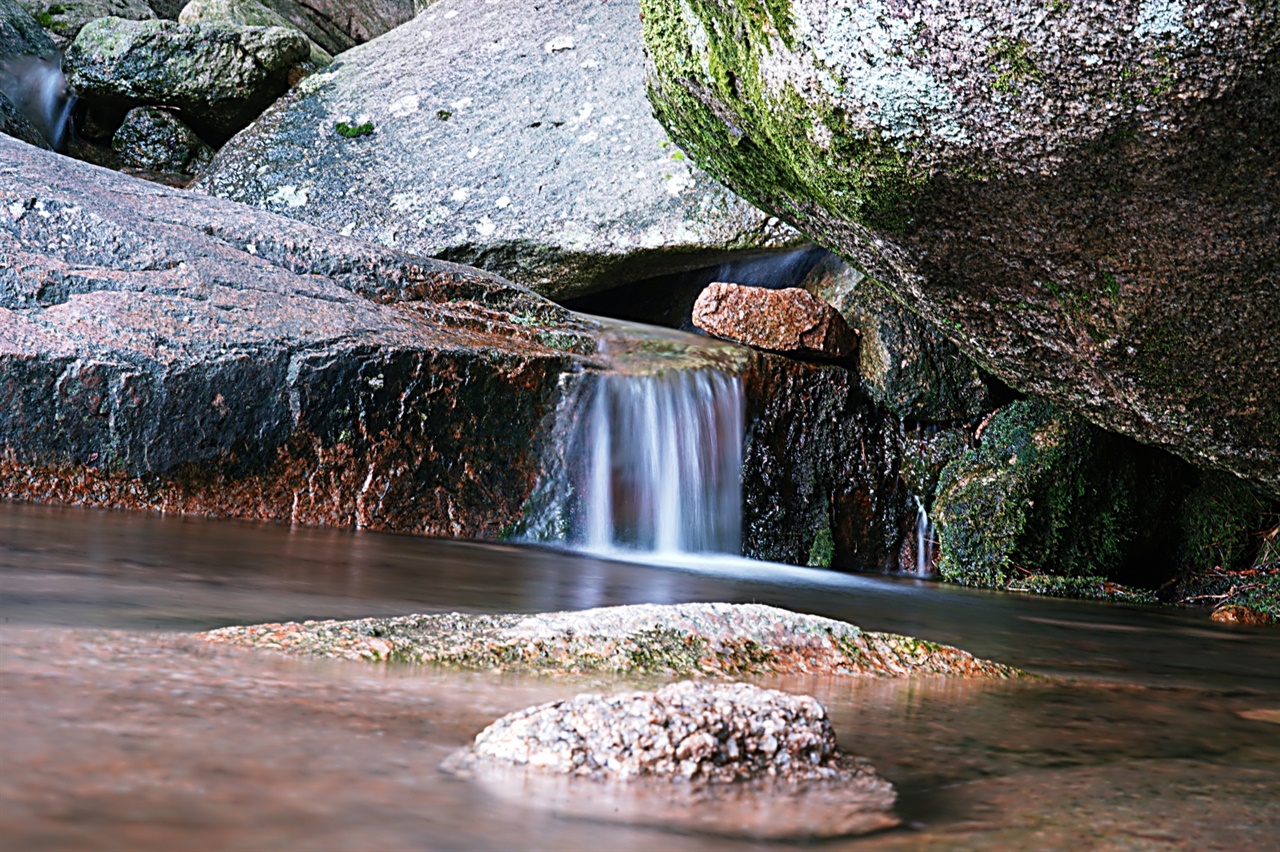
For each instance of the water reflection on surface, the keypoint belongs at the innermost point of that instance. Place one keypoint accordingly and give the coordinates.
(117, 731)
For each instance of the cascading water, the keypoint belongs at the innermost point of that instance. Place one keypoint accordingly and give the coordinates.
(648, 463)
(924, 541)
(665, 464)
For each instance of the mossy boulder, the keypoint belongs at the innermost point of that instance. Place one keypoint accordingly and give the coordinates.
(1047, 495)
(20, 33)
(531, 153)
(218, 76)
(63, 19)
(1084, 197)
(906, 365)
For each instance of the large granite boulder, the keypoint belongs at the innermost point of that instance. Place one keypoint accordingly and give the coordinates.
(168, 351)
(1083, 196)
(338, 25)
(512, 135)
(219, 76)
(248, 13)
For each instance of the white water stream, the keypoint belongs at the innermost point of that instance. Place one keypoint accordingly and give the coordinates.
(650, 464)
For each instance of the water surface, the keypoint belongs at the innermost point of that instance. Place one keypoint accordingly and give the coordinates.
(1157, 730)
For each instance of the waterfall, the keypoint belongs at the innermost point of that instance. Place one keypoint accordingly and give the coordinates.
(649, 463)
(924, 541)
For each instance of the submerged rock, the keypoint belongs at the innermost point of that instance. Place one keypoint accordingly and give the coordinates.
(791, 321)
(724, 758)
(155, 139)
(906, 366)
(165, 351)
(248, 13)
(683, 639)
(512, 135)
(1083, 196)
(219, 76)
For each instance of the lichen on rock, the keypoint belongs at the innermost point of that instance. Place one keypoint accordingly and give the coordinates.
(1082, 196)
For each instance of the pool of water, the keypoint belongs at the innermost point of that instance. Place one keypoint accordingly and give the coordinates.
(1156, 728)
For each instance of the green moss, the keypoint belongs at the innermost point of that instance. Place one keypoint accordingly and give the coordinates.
(823, 549)
(747, 136)
(443, 114)
(350, 131)
(1044, 493)
(1013, 63)
(665, 650)
(1095, 588)
(1219, 519)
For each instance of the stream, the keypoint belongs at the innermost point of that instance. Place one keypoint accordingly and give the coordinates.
(1156, 728)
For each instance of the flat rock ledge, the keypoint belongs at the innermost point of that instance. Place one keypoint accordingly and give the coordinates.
(729, 758)
(712, 639)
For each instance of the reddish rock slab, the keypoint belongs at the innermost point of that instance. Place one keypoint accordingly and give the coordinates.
(792, 321)
(168, 351)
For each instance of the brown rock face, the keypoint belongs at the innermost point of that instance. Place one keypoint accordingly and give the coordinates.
(792, 321)
(163, 350)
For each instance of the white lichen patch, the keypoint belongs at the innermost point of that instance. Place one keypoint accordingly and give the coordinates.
(289, 196)
(406, 105)
(1160, 19)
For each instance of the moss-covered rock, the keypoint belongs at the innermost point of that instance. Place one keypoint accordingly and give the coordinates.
(1229, 551)
(1046, 493)
(63, 19)
(220, 76)
(20, 33)
(1082, 195)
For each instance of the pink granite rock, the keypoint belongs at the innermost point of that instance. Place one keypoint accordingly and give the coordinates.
(793, 321)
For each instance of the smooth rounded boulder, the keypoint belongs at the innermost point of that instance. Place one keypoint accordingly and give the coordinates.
(1083, 196)
(512, 135)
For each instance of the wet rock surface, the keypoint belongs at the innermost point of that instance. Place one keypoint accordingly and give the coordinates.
(722, 640)
(513, 136)
(740, 759)
(1082, 196)
(906, 366)
(155, 139)
(791, 321)
(219, 76)
(821, 470)
(160, 350)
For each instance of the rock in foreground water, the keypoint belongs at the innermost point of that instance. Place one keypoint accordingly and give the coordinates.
(683, 639)
(511, 135)
(1083, 196)
(791, 320)
(727, 758)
